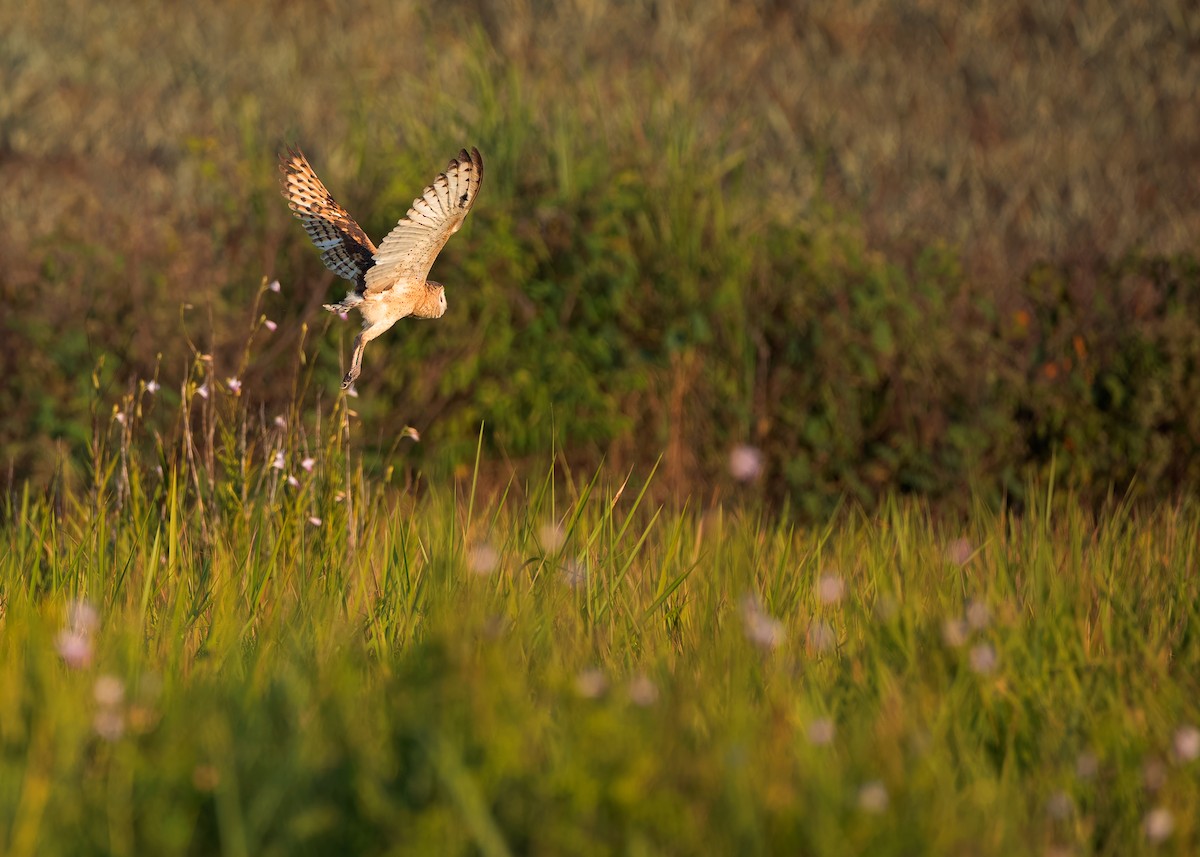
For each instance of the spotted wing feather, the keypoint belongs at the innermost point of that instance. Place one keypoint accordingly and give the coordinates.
(407, 253)
(345, 248)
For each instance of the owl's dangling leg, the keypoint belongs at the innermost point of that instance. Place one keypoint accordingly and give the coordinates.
(360, 344)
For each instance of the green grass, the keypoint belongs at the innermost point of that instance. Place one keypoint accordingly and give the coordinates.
(888, 244)
(912, 250)
(561, 666)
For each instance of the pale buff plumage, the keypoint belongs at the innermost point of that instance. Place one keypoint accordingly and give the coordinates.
(389, 280)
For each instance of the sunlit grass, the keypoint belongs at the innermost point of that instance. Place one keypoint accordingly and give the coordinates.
(215, 659)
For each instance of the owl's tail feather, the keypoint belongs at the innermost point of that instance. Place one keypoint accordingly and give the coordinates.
(345, 305)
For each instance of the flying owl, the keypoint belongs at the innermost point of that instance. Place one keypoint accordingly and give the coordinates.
(389, 280)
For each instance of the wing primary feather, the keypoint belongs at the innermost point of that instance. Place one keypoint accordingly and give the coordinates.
(407, 253)
(347, 251)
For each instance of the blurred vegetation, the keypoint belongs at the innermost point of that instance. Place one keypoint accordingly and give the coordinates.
(896, 246)
(244, 643)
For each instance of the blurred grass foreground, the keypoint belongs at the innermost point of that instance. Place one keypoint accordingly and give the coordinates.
(308, 663)
(807, 461)
(894, 247)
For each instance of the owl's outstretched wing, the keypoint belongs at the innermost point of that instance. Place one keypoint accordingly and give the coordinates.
(345, 248)
(408, 251)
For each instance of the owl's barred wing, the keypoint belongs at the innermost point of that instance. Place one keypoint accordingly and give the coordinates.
(345, 248)
(408, 251)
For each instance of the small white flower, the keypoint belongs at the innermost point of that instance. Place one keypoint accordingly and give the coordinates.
(202, 390)
(109, 691)
(274, 286)
(119, 416)
(745, 463)
(1154, 775)
(1159, 824)
(109, 724)
(551, 537)
(82, 617)
(955, 632)
(978, 615)
(821, 732)
(352, 391)
(821, 636)
(1087, 765)
(339, 497)
(315, 521)
(983, 658)
(886, 608)
(411, 432)
(280, 422)
(152, 386)
(482, 559)
(1187, 743)
(642, 692)
(574, 573)
(873, 797)
(761, 629)
(277, 463)
(1059, 806)
(830, 588)
(234, 384)
(293, 481)
(959, 551)
(591, 684)
(74, 648)
(270, 325)
(307, 464)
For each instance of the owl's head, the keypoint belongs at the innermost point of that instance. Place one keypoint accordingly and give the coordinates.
(441, 298)
(435, 302)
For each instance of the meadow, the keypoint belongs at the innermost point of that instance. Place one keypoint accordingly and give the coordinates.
(807, 461)
(277, 653)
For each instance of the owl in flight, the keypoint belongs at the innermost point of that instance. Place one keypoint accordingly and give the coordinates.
(389, 280)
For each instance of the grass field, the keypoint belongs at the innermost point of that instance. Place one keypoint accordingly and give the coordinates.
(275, 652)
(808, 461)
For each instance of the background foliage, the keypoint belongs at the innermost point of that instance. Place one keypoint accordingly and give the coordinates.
(895, 246)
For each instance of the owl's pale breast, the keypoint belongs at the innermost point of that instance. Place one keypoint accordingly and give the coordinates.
(386, 307)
